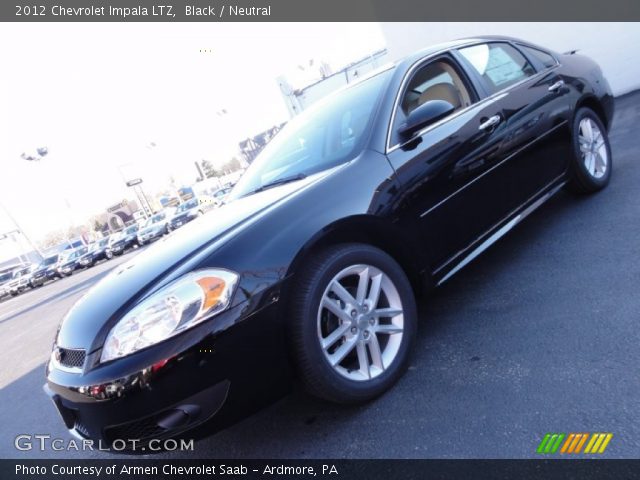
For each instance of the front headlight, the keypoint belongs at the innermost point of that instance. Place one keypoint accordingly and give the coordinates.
(176, 307)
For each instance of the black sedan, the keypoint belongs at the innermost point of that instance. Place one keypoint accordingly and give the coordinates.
(310, 271)
(154, 228)
(70, 261)
(122, 241)
(96, 251)
(185, 212)
(47, 270)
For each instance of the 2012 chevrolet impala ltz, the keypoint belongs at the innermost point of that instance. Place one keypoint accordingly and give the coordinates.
(308, 273)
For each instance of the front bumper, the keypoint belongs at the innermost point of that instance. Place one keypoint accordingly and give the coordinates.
(150, 236)
(200, 379)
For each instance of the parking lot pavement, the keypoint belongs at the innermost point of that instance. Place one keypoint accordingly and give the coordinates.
(540, 334)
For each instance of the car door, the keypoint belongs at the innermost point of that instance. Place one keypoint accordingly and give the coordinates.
(465, 175)
(533, 111)
(445, 169)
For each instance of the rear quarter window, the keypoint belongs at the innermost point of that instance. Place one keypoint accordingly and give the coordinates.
(546, 59)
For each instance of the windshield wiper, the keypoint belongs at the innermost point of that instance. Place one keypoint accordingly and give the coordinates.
(278, 182)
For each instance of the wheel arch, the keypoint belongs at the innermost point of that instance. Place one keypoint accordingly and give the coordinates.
(590, 101)
(386, 236)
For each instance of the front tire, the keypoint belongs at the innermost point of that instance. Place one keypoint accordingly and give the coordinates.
(353, 322)
(590, 168)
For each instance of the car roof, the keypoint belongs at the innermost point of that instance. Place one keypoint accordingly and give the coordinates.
(444, 46)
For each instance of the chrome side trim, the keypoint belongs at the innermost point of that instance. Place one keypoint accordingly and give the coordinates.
(502, 231)
(513, 154)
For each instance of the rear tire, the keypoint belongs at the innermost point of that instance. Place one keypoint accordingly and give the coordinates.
(590, 168)
(353, 323)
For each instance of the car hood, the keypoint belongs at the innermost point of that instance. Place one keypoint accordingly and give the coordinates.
(90, 319)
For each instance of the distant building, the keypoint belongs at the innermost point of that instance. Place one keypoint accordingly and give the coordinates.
(121, 214)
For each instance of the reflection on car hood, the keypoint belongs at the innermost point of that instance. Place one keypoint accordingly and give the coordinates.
(113, 295)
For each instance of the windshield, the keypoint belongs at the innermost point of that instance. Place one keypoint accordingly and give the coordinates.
(132, 229)
(322, 137)
(50, 261)
(155, 219)
(67, 255)
(70, 255)
(5, 276)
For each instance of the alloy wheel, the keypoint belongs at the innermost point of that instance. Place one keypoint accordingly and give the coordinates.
(593, 148)
(360, 322)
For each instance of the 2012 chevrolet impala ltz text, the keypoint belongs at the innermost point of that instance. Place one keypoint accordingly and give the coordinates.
(309, 272)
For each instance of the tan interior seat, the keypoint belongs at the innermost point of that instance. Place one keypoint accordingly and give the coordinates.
(441, 91)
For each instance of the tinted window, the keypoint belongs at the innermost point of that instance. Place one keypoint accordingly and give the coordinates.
(546, 59)
(324, 136)
(499, 64)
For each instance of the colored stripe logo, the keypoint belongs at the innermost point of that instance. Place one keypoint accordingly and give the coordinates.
(596, 443)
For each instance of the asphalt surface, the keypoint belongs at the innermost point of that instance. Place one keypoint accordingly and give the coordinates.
(540, 334)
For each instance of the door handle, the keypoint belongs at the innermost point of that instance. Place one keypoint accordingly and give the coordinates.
(490, 122)
(556, 86)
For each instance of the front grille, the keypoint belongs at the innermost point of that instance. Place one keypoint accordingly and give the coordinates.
(73, 358)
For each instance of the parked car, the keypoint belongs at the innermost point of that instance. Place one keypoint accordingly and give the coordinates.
(20, 280)
(5, 277)
(70, 261)
(47, 270)
(96, 251)
(310, 271)
(221, 194)
(155, 227)
(124, 240)
(185, 212)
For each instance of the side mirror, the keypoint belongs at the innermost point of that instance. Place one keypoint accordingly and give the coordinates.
(424, 115)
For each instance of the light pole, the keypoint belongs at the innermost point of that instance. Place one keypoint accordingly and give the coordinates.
(137, 189)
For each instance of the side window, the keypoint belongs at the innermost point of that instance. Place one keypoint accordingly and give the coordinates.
(546, 59)
(499, 64)
(438, 80)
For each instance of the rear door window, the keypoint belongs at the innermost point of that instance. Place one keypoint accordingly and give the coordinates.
(499, 64)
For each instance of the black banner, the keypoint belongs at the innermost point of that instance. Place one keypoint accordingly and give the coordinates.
(324, 469)
(323, 11)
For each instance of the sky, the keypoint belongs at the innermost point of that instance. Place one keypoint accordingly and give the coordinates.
(99, 95)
